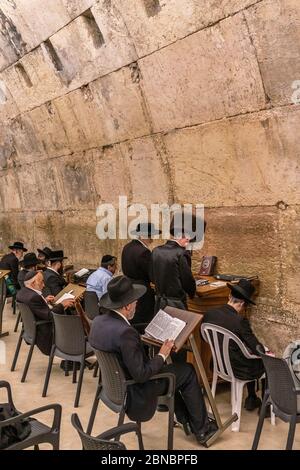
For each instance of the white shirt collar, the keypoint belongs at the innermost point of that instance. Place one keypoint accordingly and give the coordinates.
(121, 315)
(48, 267)
(144, 244)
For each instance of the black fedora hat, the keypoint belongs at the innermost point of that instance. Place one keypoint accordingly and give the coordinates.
(120, 292)
(45, 251)
(243, 290)
(188, 225)
(146, 230)
(30, 259)
(57, 255)
(18, 246)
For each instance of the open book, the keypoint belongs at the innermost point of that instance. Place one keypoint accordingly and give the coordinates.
(66, 296)
(164, 327)
(81, 272)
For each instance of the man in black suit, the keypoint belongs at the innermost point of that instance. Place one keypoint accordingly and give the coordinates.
(112, 332)
(11, 261)
(30, 263)
(171, 265)
(230, 316)
(53, 275)
(31, 295)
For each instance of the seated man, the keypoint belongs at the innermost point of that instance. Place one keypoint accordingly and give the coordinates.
(112, 332)
(30, 263)
(11, 261)
(98, 280)
(31, 295)
(43, 255)
(53, 276)
(230, 316)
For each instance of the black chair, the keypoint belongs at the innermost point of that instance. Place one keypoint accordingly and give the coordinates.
(91, 304)
(280, 393)
(70, 344)
(40, 433)
(112, 390)
(104, 440)
(28, 334)
(3, 293)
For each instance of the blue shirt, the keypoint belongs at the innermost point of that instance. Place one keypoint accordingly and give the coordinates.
(98, 280)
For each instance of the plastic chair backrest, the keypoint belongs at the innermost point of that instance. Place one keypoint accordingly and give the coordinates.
(94, 443)
(91, 306)
(112, 379)
(29, 322)
(69, 334)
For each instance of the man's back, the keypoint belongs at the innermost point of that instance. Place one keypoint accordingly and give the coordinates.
(54, 282)
(11, 262)
(98, 280)
(136, 261)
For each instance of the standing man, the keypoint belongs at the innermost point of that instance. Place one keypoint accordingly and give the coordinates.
(98, 280)
(11, 261)
(172, 272)
(231, 316)
(136, 264)
(30, 263)
(53, 276)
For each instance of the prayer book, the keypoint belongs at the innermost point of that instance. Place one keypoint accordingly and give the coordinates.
(164, 326)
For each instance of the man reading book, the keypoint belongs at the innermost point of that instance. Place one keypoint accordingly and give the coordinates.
(112, 332)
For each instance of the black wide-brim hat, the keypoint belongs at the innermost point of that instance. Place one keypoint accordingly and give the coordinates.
(18, 246)
(121, 291)
(243, 290)
(30, 259)
(45, 251)
(57, 255)
(146, 230)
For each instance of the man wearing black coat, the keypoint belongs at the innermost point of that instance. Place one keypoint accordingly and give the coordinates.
(136, 264)
(230, 316)
(11, 261)
(53, 275)
(113, 333)
(31, 295)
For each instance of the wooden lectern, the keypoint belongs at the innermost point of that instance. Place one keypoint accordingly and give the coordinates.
(74, 289)
(3, 273)
(187, 338)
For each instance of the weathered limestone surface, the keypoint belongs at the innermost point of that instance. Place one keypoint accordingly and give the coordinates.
(160, 101)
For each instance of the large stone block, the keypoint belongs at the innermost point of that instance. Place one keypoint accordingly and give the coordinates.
(76, 7)
(33, 80)
(246, 242)
(49, 230)
(274, 27)
(154, 24)
(206, 76)
(104, 44)
(75, 181)
(7, 150)
(290, 268)
(17, 226)
(36, 20)
(108, 110)
(147, 164)
(10, 197)
(8, 106)
(26, 142)
(239, 161)
(111, 175)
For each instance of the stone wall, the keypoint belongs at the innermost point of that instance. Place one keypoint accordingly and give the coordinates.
(162, 101)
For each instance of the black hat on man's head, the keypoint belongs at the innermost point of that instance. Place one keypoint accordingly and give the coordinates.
(57, 256)
(145, 230)
(243, 290)
(120, 292)
(17, 246)
(108, 258)
(30, 259)
(187, 224)
(45, 251)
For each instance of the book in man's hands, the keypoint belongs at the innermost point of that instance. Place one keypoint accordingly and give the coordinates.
(164, 327)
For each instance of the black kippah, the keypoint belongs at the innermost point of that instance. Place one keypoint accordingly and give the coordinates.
(107, 258)
(30, 275)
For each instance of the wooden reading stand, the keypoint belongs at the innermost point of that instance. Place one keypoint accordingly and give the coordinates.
(3, 273)
(76, 288)
(186, 337)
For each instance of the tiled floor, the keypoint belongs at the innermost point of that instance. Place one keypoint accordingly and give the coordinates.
(61, 390)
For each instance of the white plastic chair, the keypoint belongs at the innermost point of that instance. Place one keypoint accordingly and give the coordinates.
(223, 369)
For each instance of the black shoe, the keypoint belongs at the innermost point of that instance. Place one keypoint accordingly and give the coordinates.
(204, 436)
(251, 403)
(187, 428)
(162, 408)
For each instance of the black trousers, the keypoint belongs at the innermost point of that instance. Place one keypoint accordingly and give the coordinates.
(189, 401)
